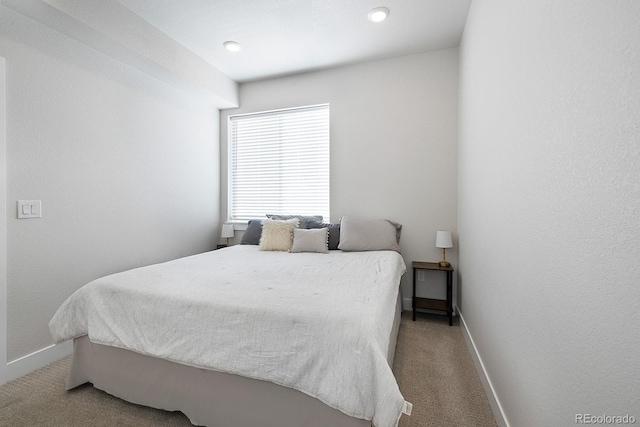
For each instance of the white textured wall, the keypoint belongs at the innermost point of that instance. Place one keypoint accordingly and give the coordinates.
(393, 142)
(126, 168)
(549, 205)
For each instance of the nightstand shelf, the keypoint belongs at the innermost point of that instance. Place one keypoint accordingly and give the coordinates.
(446, 305)
(431, 304)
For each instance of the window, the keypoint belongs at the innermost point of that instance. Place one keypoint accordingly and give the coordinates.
(279, 163)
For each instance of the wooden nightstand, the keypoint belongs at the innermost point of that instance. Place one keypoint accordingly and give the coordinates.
(430, 303)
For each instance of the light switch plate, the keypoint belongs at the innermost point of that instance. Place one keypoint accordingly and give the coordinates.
(29, 209)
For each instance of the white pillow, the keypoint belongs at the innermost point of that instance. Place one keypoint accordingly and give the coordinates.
(359, 234)
(277, 235)
(311, 240)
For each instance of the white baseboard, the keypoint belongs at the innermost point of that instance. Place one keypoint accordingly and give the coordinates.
(36, 360)
(496, 407)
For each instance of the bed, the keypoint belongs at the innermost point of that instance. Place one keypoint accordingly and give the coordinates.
(244, 337)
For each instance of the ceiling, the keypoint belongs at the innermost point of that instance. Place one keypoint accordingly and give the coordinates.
(281, 37)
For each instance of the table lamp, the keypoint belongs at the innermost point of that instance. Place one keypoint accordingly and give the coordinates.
(227, 231)
(444, 241)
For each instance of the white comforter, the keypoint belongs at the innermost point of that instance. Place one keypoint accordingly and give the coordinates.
(318, 323)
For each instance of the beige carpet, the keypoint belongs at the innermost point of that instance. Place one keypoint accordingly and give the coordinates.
(432, 364)
(435, 372)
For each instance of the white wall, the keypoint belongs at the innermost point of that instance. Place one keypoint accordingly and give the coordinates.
(126, 168)
(549, 205)
(393, 142)
(3, 224)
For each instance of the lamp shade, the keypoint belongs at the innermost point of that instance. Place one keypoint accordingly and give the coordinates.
(443, 239)
(227, 230)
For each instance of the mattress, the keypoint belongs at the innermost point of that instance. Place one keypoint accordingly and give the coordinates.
(320, 324)
(206, 397)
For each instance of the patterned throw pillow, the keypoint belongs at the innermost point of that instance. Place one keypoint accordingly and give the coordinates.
(277, 235)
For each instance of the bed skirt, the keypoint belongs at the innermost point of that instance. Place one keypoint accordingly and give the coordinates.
(206, 397)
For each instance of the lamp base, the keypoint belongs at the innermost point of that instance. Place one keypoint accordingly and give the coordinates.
(444, 264)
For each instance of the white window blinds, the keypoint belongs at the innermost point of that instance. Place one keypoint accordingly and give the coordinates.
(279, 163)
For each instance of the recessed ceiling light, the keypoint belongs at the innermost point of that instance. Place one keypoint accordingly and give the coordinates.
(232, 46)
(378, 14)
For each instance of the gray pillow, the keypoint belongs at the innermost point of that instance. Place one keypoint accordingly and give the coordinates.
(334, 232)
(359, 234)
(253, 233)
(302, 219)
(310, 240)
(398, 229)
